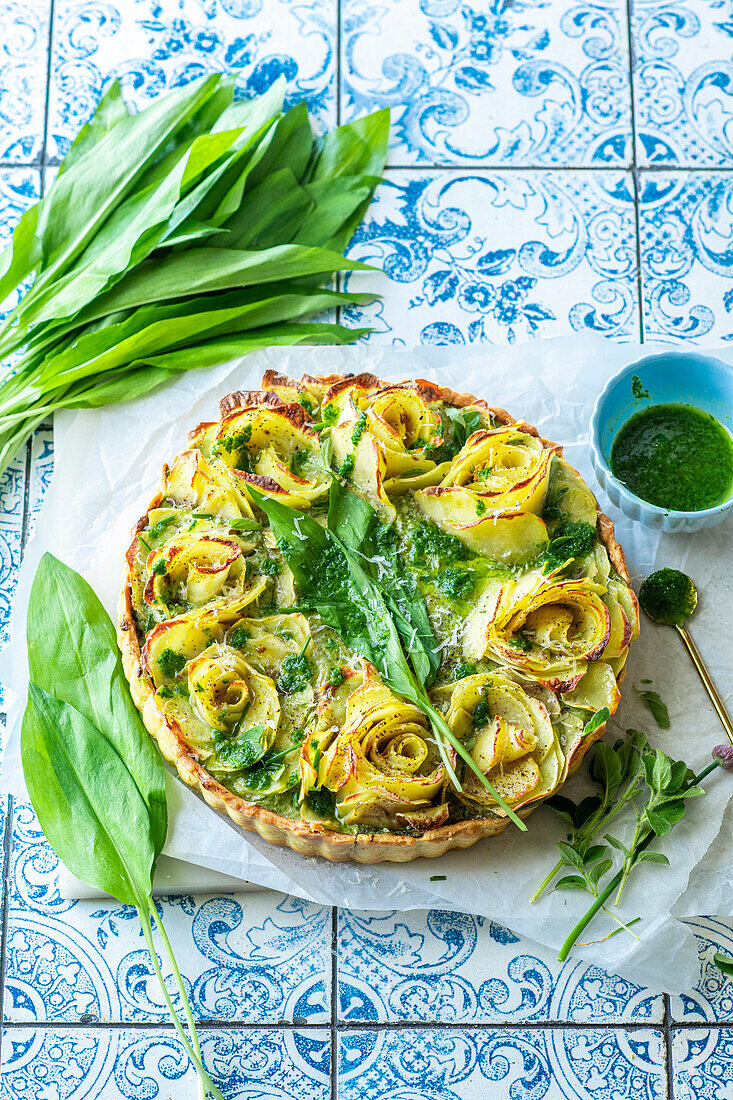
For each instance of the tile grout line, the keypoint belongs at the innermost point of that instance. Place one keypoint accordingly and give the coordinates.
(637, 235)
(337, 76)
(45, 160)
(7, 851)
(334, 1021)
(338, 62)
(668, 1045)
(634, 166)
(355, 1026)
(599, 169)
(38, 165)
(8, 835)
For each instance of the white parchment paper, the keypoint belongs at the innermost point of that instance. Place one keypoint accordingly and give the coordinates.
(107, 465)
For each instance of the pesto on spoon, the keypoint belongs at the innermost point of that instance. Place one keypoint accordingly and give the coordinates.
(669, 597)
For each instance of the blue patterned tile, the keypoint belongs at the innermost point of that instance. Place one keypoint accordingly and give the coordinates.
(12, 491)
(4, 802)
(492, 81)
(683, 81)
(99, 1064)
(40, 473)
(498, 256)
(459, 969)
(19, 187)
(686, 239)
(712, 997)
(703, 1064)
(494, 1065)
(153, 46)
(23, 48)
(259, 957)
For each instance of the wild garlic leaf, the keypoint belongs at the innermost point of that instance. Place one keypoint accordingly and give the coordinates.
(330, 580)
(339, 589)
(87, 194)
(73, 655)
(723, 963)
(356, 523)
(86, 799)
(205, 269)
(196, 195)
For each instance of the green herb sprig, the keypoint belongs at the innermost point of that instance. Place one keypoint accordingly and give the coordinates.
(631, 776)
(199, 229)
(93, 775)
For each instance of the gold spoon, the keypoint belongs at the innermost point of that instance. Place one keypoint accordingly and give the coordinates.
(669, 597)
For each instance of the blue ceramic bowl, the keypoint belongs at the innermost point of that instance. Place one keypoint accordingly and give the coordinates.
(673, 378)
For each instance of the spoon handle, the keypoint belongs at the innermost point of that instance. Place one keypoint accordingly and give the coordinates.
(707, 683)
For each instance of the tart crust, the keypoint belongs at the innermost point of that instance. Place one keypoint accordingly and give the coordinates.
(308, 838)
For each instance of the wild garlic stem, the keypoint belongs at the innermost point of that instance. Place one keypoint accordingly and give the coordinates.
(204, 1078)
(179, 983)
(441, 727)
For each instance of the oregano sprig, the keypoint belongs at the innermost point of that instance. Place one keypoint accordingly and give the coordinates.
(631, 776)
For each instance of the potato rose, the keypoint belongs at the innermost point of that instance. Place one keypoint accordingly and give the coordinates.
(270, 447)
(381, 765)
(550, 631)
(514, 743)
(191, 571)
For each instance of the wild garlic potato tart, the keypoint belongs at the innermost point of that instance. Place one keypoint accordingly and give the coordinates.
(373, 620)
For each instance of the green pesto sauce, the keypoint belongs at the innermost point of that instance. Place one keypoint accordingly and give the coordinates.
(676, 457)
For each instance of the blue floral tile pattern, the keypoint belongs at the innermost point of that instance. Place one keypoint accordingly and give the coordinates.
(508, 213)
(153, 46)
(703, 1064)
(249, 957)
(19, 188)
(12, 492)
(455, 968)
(498, 256)
(23, 48)
(712, 997)
(492, 81)
(41, 470)
(521, 1064)
(683, 82)
(686, 248)
(93, 1064)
